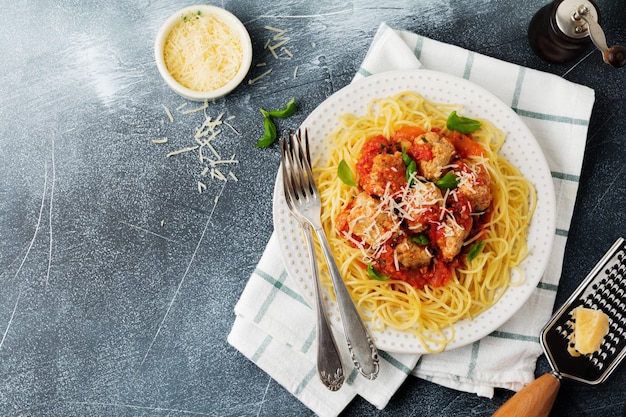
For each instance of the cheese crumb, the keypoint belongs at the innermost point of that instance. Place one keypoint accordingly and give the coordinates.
(169, 114)
(253, 80)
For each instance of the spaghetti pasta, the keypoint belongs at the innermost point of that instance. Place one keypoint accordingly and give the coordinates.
(429, 309)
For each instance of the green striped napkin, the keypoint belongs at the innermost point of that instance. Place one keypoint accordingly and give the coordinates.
(275, 328)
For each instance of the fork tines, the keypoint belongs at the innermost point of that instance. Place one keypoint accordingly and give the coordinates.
(297, 159)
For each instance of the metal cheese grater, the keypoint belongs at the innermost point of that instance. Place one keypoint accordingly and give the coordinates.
(603, 289)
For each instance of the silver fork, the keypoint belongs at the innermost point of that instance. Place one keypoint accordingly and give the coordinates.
(329, 366)
(301, 189)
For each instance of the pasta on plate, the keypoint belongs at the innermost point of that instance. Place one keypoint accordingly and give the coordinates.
(427, 223)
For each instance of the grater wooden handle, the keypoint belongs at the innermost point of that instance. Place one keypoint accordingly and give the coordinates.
(534, 400)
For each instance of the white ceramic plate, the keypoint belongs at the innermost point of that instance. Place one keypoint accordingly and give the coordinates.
(520, 148)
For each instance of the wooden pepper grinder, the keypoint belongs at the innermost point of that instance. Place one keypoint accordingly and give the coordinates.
(561, 30)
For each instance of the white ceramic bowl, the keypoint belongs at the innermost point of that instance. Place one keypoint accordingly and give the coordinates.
(235, 25)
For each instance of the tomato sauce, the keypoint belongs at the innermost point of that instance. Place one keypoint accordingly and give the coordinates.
(464, 145)
(407, 139)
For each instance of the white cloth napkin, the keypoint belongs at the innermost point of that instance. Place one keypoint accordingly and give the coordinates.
(274, 326)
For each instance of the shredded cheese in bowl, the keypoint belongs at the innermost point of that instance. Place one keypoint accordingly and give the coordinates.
(203, 52)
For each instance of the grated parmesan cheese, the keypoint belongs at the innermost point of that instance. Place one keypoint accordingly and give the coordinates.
(197, 109)
(253, 80)
(169, 114)
(204, 136)
(202, 52)
(277, 45)
(183, 150)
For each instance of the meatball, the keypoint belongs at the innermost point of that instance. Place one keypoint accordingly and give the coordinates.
(367, 219)
(421, 205)
(474, 185)
(387, 171)
(410, 254)
(451, 237)
(441, 152)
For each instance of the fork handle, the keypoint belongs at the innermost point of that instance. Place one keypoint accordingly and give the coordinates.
(363, 352)
(329, 365)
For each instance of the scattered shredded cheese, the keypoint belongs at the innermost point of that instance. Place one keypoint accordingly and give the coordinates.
(183, 150)
(253, 80)
(277, 45)
(197, 109)
(232, 128)
(169, 114)
(204, 136)
(273, 47)
(216, 173)
(279, 32)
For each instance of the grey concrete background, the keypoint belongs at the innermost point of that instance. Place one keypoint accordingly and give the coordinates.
(118, 278)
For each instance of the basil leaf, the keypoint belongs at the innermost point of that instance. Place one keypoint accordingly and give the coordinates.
(475, 250)
(420, 240)
(269, 135)
(461, 124)
(448, 181)
(406, 158)
(411, 167)
(410, 170)
(286, 111)
(345, 174)
(374, 274)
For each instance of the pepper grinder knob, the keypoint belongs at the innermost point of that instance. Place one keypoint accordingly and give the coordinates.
(560, 31)
(615, 55)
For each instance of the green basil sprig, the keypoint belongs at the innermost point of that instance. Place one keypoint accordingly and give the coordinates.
(286, 111)
(411, 167)
(269, 135)
(421, 240)
(269, 127)
(374, 274)
(461, 124)
(345, 174)
(448, 181)
(475, 250)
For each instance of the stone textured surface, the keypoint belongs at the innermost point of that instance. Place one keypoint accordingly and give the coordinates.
(119, 278)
